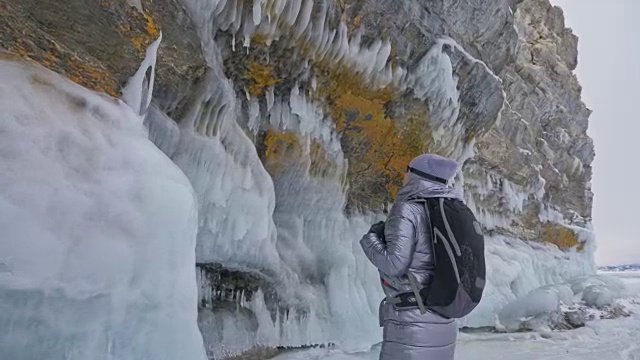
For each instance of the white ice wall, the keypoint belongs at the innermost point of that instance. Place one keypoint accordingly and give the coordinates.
(98, 229)
(516, 267)
(100, 226)
(306, 247)
(291, 228)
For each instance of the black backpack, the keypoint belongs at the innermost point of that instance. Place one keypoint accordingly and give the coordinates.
(458, 244)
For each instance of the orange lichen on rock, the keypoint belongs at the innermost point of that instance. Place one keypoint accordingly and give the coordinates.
(562, 236)
(152, 29)
(84, 65)
(20, 49)
(261, 77)
(142, 37)
(279, 147)
(91, 76)
(357, 21)
(260, 39)
(377, 146)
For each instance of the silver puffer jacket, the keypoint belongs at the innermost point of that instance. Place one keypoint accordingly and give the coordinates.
(407, 248)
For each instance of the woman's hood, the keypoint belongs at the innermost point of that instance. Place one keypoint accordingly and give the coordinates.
(418, 188)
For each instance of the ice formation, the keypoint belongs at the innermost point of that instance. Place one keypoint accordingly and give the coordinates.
(514, 266)
(541, 308)
(236, 198)
(289, 227)
(433, 78)
(605, 339)
(306, 247)
(138, 91)
(98, 229)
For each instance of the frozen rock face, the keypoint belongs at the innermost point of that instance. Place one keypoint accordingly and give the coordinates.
(539, 155)
(295, 120)
(101, 44)
(98, 228)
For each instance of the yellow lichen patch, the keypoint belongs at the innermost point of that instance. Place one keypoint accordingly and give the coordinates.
(152, 29)
(21, 50)
(93, 78)
(279, 146)
(561, 236)
(142, 40)
(140, 29)
(378, 147)
(9, 56)
(49, 60)
(259, 39)
(56, 48)
(261, 77)
(284, 148)
(357, 21)
(90, 76)
(353, 23)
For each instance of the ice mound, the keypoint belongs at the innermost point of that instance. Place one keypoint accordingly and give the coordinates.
(565, 305)
(598, 290)
(539, 308)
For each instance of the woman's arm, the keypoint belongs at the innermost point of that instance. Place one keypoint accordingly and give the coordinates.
(393, 255)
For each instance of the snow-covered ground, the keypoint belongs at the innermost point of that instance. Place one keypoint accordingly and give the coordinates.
(613, 268)
(602, 340)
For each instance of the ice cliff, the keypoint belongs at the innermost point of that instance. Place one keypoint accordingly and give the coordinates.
(293, 121)
(98, 228)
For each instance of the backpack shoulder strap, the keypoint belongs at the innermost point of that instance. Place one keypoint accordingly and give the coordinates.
(416, 292)
(415, 286)
(431, 228)
(427, 213)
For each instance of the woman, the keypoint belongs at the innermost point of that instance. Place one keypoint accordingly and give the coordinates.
(402, 250)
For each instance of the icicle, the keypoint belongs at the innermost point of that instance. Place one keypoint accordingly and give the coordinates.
(138, 91)
(269, 95)
(257, 15)
(303, 18)
(254, 115)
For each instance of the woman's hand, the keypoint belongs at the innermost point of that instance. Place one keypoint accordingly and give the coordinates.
(378, 229)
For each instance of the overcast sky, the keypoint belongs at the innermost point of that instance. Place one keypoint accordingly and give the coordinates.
(608, 69)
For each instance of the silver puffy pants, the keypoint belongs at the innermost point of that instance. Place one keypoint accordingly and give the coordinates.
(409, 335)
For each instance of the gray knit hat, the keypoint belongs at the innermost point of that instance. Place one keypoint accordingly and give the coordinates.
(434, 166)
